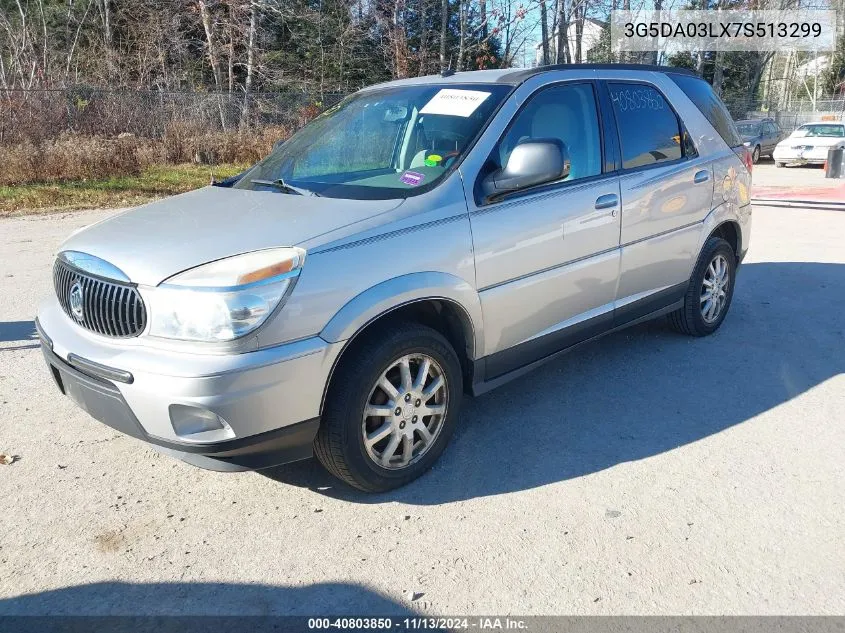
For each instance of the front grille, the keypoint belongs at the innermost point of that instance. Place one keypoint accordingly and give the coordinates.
(106, 307)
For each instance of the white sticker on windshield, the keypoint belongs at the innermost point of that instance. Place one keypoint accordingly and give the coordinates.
(455, 102)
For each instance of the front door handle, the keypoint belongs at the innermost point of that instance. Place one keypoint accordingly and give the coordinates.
(607, 201)
(701, 176)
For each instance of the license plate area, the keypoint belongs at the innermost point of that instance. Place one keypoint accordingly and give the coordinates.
(77, 392)
(99, 398)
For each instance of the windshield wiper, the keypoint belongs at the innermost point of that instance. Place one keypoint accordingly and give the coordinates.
(281, 185)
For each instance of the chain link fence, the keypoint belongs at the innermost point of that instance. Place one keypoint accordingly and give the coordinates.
(791, 115)
(39, 115)
(84, 134)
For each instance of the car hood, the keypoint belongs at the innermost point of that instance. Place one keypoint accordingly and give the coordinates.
(160, 239)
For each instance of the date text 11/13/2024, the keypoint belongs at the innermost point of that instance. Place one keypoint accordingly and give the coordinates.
(418, 623)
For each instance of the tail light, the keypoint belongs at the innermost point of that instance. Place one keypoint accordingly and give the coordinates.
(749, 159)
(745, 154)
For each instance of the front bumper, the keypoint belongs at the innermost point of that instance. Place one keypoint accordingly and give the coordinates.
(269, 398)
(801, 157)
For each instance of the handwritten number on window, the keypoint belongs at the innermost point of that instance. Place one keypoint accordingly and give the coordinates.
(632, 99)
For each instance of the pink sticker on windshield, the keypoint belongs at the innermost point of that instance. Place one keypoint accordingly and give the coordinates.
(412, 178)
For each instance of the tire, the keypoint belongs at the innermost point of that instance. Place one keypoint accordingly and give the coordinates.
(777, 164)
(340, 444)
(692, 318)
(755, 155)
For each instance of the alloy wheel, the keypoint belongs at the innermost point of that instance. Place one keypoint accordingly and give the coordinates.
(714, 290)
(405, 411)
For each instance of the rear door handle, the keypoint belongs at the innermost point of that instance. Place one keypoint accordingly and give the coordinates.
(701, 176)
(607, 201)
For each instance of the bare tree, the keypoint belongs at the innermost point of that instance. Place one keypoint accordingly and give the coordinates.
(562, 55)
(462, 27)
(544, 32)
(400, 42)
(105, 16)
(250, 62)
(72, 50)
(214, 59)
(423, 52)
(444, 31)
(211, 42)
(579, 13)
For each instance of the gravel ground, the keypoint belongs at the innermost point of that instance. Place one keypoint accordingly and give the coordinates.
(767, 176)
(647, 473)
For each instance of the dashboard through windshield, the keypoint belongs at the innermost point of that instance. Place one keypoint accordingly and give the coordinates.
(379, 144)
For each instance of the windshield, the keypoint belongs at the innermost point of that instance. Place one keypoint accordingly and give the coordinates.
(380, 144)
(748, 129)
(820, 129)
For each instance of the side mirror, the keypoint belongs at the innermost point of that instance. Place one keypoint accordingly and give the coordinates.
(278, 144)
(530, 163)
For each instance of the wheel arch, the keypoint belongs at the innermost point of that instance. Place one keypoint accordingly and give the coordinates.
(729, 231)
(729, 222)
(441, 301)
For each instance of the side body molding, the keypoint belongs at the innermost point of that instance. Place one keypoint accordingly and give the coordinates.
(398, 291)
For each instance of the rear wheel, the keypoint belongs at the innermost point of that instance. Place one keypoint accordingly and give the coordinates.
(778, 164)
(710, 291)
(391, 408)
(755, 156)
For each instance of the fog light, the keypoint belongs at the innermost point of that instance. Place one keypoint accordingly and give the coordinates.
(188, 420)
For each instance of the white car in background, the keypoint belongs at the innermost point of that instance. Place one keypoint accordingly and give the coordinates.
(809, 144)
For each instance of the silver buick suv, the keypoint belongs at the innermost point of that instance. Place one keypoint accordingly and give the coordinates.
(424, 239)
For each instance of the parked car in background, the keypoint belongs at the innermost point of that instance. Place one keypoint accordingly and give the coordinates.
(426, 238)
(809, 144)
(761, 136)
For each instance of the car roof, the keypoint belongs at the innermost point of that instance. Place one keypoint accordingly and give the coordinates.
(515, 76)
(756, 120)
(822, 123)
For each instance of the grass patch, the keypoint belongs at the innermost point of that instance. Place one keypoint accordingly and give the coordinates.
(119, 191)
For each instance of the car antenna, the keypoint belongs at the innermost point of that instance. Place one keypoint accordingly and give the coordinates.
(448, 72)
(211, 171)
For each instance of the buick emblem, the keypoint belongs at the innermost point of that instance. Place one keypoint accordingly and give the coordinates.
(75, 299)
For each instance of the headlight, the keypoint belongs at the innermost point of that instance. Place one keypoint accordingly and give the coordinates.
(747, 143)
(225, 299)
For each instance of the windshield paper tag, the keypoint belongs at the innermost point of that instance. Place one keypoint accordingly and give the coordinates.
(455, 102)
(412, 178)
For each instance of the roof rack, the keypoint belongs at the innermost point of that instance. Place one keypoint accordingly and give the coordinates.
(522, 75)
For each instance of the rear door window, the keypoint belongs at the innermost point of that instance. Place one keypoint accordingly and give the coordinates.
(649, 130)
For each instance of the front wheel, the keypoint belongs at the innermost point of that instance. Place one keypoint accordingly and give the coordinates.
(755, 156)
(710, 290)
(391, 408)
(779, 164)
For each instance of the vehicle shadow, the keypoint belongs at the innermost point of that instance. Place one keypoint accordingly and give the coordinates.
(22, 332)
(17, 331)
(635, 394)
(197, 598)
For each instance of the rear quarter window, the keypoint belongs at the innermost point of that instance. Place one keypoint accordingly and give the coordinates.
(702, 95)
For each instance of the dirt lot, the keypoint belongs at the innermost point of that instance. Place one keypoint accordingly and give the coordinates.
(646, 473)
(767, 177)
